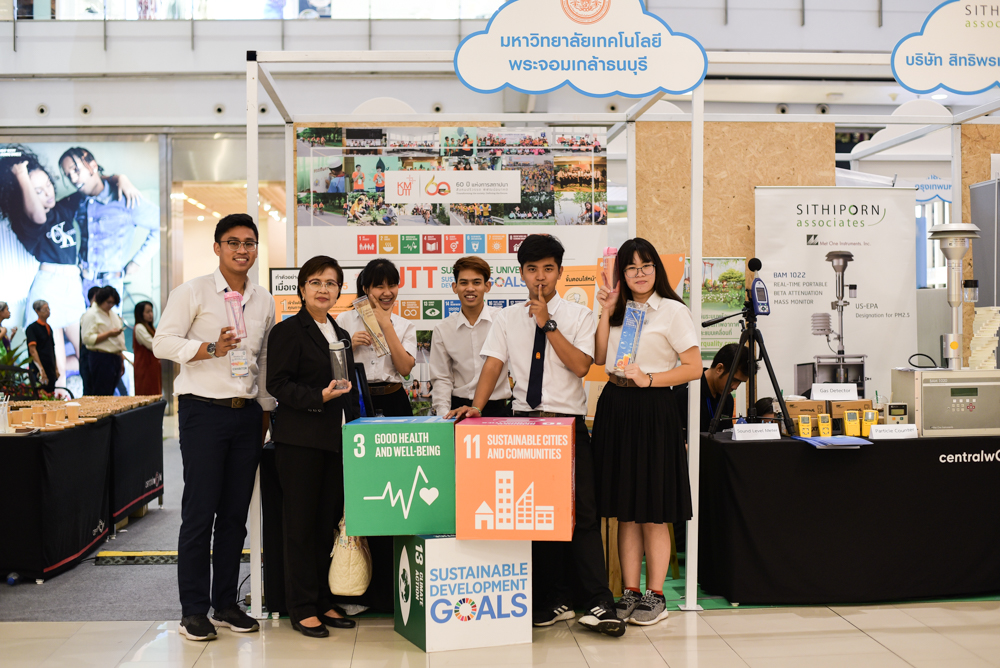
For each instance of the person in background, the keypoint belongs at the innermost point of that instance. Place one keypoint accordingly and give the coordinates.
(379, 281)
(638, 440)
(765, 408)
(223, 416)
(148, 372)
(41, 347)
(713, 390)
(110, 224)
(548, 343)
(103, 335)
(6, 334)
(84, 352)
(455, 360)
(336, 176)
(309, 445)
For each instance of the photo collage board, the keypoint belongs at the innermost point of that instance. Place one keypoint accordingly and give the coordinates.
(350, 205)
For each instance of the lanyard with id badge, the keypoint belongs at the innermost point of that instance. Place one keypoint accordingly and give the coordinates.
(239, 360)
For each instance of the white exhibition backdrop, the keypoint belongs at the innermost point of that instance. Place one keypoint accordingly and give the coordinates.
(795, 229)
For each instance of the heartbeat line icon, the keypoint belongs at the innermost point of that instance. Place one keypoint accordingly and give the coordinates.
(398, 496)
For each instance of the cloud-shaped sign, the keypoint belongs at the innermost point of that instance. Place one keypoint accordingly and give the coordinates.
(598, 47)
(956, 49)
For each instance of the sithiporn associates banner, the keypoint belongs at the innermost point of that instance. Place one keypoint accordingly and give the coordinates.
(797, 228)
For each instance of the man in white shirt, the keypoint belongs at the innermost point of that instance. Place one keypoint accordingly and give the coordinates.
(458, 339)
(224, 410)
(548, 359)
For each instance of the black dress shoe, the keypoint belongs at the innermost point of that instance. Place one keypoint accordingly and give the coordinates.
(311, 631)
(338, 622)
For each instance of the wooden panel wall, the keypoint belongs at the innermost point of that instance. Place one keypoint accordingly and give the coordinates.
(738, 157)
(978, 142)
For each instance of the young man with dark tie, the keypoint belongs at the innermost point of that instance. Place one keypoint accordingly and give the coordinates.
(548, 344)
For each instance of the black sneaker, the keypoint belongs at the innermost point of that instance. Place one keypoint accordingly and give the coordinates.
(549, 616)
(603, 619)
(235, 619)
(196, 627)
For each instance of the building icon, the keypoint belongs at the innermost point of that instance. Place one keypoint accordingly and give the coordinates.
(505, 500)
(522, 515)
(524, 509)
(484, 515)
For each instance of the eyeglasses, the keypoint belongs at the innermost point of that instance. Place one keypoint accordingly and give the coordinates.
(645, 270)
(316, 284)
(235, 245)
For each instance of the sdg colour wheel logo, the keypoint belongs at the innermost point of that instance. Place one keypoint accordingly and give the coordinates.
(465, 609)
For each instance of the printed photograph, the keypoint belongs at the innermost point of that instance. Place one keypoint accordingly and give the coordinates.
(579, 139)
(363, 141)
(574, 173)
(581, 208)
(322, 174)
(520, 138)
(412, 141)
(537, 172)
(458, 141)
(316, 138)
(318, 209)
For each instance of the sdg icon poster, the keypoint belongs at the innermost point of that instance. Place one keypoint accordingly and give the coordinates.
(399, 476)
(453, 594)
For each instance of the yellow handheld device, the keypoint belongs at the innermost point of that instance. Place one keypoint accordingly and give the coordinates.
(825, 425)
(868, 419)
(805, 426)
(852, 423)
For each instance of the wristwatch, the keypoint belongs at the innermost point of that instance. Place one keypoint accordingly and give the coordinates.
(211, 349)
(550, 326)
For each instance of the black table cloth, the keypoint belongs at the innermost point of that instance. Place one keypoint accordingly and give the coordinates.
(54, 496)
(136, 459)
(785, 523)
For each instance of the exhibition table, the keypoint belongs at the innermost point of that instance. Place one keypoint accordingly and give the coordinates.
(54, 492)
(785, 523)
(136, 459)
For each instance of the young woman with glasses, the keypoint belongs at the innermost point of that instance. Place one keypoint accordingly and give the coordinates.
(638, 446)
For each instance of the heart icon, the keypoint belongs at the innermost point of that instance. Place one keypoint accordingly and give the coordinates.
(429, 494)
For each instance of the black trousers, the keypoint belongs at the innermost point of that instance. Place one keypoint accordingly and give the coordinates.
(493, 408)
(220, 448)
(83, 355)
(105, 370)
(379, 596)
(312, 484)
(553, 580)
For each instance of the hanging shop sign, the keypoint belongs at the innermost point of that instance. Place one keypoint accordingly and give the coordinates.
(598, 47)
(399, 476)
(515, 478)
(454, 594)
(954, 50)
(839, 276)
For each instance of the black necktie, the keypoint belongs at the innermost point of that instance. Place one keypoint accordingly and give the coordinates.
(537, 367)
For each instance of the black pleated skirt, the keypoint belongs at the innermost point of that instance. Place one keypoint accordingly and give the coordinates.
(640, 458)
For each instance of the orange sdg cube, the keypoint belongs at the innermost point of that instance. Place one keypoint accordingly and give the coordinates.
(514, 479)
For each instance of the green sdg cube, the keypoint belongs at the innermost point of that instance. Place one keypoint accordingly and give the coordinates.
(462, 594)
(399, 476)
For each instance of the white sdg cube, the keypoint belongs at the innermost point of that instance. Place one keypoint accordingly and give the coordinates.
(454, 594)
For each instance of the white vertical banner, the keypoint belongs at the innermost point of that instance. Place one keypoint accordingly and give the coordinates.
(871, 232)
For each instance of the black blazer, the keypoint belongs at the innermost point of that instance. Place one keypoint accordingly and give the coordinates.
(298, 370)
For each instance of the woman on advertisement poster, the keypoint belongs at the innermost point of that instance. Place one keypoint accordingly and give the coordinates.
(50, 231)
(638, 446)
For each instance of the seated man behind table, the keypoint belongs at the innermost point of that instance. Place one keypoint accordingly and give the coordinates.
(458, 340)
(713, 380)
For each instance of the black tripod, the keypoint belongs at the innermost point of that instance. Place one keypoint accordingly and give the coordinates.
(749, 340)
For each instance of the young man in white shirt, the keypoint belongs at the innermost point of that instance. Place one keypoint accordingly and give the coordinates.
(549, 344)
(458, 339)
(224, 411)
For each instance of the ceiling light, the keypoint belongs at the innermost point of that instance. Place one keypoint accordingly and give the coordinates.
(267, 206)
(939, 96)
(217, 214)
(200, 205)
(178, 196)
(201, 218)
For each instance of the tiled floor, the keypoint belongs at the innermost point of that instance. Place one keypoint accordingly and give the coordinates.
(923, 635)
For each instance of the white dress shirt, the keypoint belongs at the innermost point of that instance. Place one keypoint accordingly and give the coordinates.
(143, 337)
(667, 331)
(512, 340)
(195, 314)
(380, 369)
(456, 361)
(96, 321)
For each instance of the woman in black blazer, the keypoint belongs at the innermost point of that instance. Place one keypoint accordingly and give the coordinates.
(308, 443)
